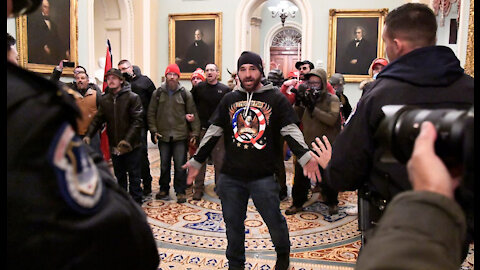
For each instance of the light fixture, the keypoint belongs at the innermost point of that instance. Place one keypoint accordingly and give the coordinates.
(284, 10)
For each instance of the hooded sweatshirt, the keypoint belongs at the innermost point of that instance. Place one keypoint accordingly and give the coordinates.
(429, 77)
(253, 125)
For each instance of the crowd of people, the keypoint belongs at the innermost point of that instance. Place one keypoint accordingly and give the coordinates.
(245, 130)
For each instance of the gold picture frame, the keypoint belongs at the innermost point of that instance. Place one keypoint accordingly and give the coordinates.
(33, 31)
(183, 47)
(342, 47)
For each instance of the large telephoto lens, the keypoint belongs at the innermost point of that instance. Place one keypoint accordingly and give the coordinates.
(401, 126)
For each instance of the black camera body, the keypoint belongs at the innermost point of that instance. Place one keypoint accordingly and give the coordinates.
(306, 96)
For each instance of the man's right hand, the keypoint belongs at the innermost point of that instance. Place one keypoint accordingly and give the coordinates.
(86, 140)
(192, 173)
(154, 137)
(426, 171)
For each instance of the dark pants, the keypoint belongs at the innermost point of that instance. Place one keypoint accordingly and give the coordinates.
(281, 175)
(129, 163)
(177, 150)
(145, 163)
(94, 142)
(217, 158)
(234, 196)
(301, 185)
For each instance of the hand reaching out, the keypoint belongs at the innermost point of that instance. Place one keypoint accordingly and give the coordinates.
(324, 151)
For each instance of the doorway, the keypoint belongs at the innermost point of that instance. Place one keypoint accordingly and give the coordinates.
(285, 50)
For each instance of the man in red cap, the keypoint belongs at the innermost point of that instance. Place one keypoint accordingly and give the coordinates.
(169, 126)
(377, 65)
(207, 95)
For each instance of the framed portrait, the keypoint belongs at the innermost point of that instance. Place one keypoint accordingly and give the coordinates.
(354, 41)
(194, 41)
(47, 36)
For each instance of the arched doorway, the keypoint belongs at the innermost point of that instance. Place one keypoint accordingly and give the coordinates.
(245, 12)
(285, 49)
(113, 20)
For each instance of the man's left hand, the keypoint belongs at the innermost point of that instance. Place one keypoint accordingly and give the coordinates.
(311, 170)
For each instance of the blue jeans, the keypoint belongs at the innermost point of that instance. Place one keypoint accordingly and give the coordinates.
(129, 163)
(234, 195)
(177, 150)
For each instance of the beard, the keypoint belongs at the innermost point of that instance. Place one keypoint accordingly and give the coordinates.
(172, 84)
(250, 84)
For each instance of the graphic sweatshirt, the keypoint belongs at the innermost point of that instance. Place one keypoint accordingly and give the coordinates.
(253, 124)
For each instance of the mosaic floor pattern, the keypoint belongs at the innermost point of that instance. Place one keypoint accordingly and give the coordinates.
(192, 235)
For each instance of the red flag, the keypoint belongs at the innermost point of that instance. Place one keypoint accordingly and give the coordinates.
(103, 136)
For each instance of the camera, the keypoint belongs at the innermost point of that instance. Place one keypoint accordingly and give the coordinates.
(401, 125)
(306, 96)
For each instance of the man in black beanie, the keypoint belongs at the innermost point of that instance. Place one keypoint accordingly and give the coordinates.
(253, 121)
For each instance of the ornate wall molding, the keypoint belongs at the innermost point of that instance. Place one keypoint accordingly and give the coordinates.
(469, 63)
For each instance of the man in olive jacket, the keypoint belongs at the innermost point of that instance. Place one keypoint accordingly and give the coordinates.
(121, 110)
(320, 114)
(171, 115)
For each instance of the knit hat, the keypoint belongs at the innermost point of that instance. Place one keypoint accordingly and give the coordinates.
(116, 72)
(173, 68)
(248, 57)
(198, 73)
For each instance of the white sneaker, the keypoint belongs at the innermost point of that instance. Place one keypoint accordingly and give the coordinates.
(352, 211)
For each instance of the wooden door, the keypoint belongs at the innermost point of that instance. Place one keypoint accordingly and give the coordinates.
(284, 58)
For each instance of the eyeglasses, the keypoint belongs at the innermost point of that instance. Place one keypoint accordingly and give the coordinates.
(313, 83)
(304, 68)
(124, 68)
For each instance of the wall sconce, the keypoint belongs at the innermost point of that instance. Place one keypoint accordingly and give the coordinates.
(284, 10)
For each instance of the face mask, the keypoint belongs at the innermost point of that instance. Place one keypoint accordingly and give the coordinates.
(127, 76)
(375, 76)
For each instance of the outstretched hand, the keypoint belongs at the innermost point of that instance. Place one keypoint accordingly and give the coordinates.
(324, 151)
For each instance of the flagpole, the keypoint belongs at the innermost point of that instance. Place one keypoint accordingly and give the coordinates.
(298, 55)
(103, 134)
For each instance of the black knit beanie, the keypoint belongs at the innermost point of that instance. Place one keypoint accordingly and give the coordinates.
(248, 57)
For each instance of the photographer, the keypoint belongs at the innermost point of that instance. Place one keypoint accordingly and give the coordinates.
(319, 112)
(410, 222)
(419, 73)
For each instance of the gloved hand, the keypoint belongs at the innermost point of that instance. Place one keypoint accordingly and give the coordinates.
(86, 140)
(310, 102)
(124, 147)
(154, 137)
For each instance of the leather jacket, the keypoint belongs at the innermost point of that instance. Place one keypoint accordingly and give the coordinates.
(123, 115)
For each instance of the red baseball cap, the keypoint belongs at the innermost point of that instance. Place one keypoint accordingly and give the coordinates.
(379, 61)
(173, 68)
(292, 73)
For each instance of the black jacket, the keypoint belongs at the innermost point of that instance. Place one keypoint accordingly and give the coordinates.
(429, 76)
(123, 114)
(143, 87)
(50, 224)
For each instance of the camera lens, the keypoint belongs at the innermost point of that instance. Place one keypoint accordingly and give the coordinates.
(401, 126)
